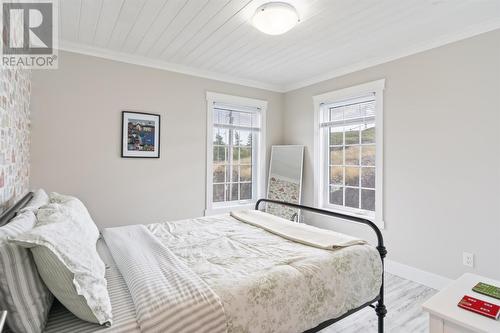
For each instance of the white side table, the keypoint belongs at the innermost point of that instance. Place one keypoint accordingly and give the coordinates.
(447, 317)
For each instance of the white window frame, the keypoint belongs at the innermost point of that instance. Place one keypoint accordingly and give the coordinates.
(258, 182)
(321, 158)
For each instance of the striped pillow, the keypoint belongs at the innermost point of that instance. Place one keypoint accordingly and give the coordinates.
(22, 292)
(63, 244)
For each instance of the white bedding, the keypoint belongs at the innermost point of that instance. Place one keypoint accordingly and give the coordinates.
(297, 232)
(124, 314)
(167, 295)
(270, 284)
(265, 283)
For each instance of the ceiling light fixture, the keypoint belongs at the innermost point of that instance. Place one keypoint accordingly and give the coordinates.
(275, 18)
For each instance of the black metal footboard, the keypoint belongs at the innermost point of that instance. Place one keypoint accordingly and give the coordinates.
(380, 308)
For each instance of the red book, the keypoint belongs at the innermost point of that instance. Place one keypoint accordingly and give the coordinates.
(483, 308)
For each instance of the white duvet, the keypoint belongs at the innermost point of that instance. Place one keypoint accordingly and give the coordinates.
(267, 283)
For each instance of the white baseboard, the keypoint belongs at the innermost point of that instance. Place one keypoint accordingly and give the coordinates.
(428, 279)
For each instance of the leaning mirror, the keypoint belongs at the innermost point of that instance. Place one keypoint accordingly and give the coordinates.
(285, 180)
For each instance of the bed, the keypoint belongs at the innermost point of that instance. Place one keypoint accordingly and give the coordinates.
(253, 280)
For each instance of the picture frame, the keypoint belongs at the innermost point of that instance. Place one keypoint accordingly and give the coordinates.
(140, 135)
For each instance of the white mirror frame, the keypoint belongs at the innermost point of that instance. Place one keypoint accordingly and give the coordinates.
(301, 171)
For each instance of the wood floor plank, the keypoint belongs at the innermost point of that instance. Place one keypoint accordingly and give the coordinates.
(403, 300)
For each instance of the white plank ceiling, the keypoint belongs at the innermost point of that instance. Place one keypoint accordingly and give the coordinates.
(214, 38)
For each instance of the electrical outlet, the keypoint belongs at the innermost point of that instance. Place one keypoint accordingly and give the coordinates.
(468, 259)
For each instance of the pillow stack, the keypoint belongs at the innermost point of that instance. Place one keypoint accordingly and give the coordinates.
(22, 292)
(47, 250)
(63, 244)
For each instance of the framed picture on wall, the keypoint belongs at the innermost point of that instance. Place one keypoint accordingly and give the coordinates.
(140, 135)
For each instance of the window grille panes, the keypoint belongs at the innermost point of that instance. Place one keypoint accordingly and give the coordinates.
(235, 131)
(351, 149)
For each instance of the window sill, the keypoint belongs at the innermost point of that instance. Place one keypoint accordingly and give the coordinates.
(380, 223)
(229, 208)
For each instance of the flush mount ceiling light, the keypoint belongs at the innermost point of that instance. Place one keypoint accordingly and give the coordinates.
(275, 18)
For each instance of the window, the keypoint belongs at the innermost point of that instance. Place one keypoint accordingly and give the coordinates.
(235, 151)
(348, 151)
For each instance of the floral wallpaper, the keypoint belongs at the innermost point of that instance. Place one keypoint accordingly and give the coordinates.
(283, 190)
(15, 91)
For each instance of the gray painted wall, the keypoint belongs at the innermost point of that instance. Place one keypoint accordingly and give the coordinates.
(442, 155)
(76, 133)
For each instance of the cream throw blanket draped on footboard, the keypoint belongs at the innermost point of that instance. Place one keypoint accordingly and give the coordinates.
(297, 232)
(167, 295)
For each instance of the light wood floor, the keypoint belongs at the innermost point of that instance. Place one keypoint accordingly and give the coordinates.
(403, 299)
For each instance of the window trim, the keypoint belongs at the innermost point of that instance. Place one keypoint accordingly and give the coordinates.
(320, 161)
(258, 192)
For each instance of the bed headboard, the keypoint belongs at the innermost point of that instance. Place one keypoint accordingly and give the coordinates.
(11, 212)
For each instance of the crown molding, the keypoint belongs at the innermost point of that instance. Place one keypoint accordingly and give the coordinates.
(436, 42)
(163, 65)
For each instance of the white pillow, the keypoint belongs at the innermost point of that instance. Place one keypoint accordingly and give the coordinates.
(22, 292)
(63, 244)
(40, 198)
